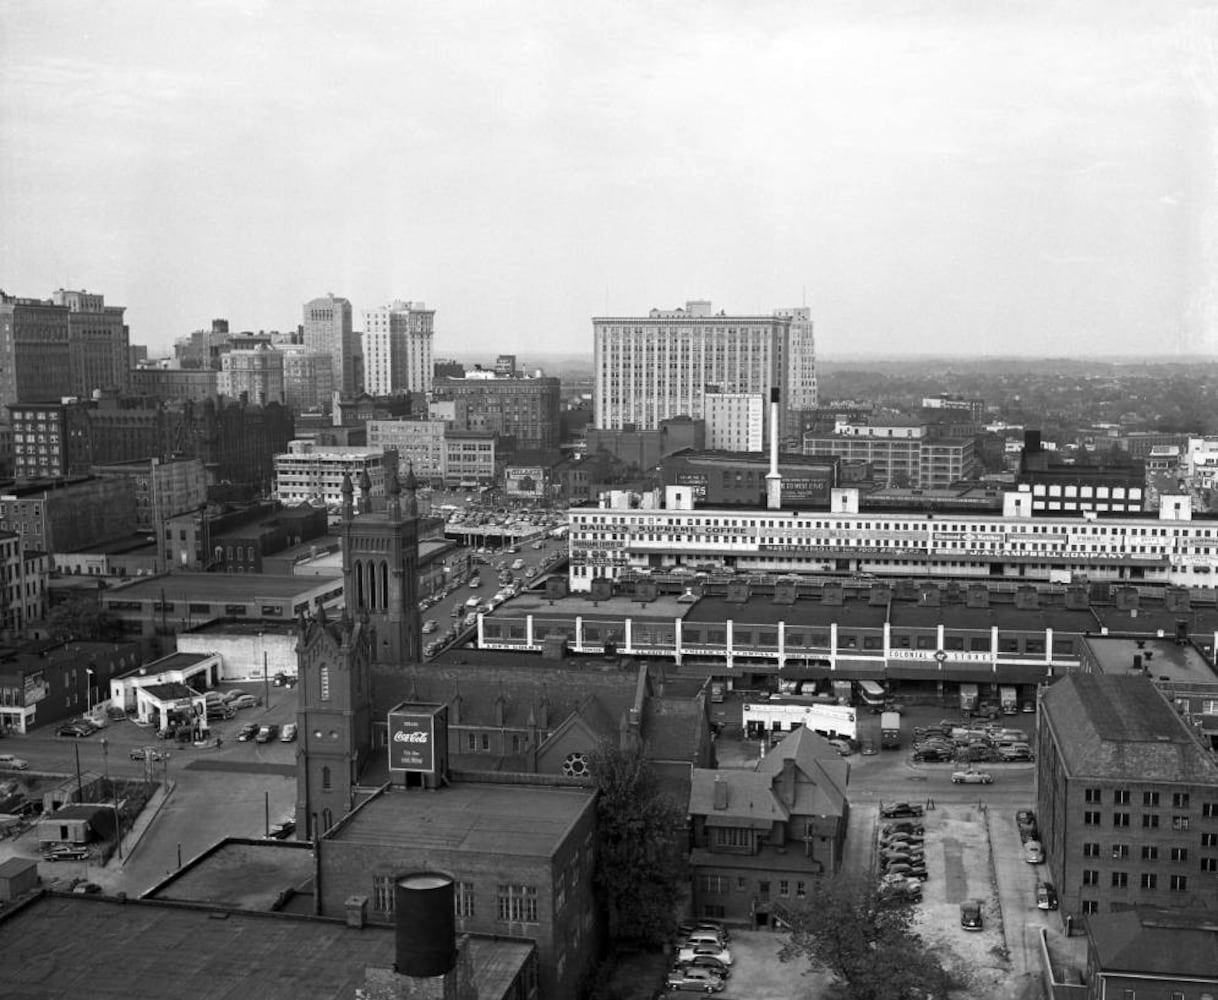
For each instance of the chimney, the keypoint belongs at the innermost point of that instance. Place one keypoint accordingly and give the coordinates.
(786, 782)
(720, 797)
(773, 481)
(1181, 631)
(357, 911)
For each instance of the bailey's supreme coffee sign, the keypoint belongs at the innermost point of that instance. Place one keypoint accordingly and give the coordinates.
(412, 737)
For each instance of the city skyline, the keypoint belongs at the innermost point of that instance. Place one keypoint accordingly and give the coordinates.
(927, 178)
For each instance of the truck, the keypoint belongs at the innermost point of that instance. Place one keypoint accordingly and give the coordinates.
(968, 697)
(781, 715)
(844, 690)
(1008, 699)
(890, 730)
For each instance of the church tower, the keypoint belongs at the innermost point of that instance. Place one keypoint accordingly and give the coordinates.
(379, 626)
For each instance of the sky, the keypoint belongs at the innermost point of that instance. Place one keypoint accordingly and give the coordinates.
(967, 177)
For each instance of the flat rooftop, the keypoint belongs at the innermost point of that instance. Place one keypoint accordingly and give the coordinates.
(152, 950)
(535, 602)
(1163, 659)
(513, 820)
(214, 586)
(242, 874)
(244, 626)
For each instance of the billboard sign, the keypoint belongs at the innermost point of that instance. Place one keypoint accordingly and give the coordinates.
(412, 741)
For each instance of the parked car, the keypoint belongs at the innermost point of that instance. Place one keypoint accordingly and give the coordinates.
(248, 731)
(244, 701)
(867, 748)
(843, 747)
(66, 852)
(86, 888)
(288, 733)
(7, 760)
(76, 729)
(148, 753)
(971, 777)
(430, 626)
(1033, 852)
(970, 915)
(282, 831)
(694, 980)
(1046, 896)
(708, 962)
(266, 733)
(901, 810)
(685, 930)
(686, 955)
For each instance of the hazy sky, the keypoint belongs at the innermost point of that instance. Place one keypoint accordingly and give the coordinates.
(1012, 177)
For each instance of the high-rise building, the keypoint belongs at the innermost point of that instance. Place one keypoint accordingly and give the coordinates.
(397, 348)
(800, 391)
(308, 382)
(256, 374)
(735, 421)
(652, 367)
(34, 351)
(97, 342)
(525, 409)
(327, 328)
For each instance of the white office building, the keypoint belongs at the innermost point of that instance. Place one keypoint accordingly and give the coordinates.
(398, 348)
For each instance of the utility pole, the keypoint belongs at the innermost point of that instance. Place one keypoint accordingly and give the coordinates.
(266, 684)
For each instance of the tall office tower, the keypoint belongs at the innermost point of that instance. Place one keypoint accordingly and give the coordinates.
(35, 363)
(650, 368)
(308, 382)
(397, 348)
(327, 328)
(97, 342)
(800, 391)
(255, 374)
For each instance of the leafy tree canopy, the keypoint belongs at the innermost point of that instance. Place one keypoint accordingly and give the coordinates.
(865, 938)
(640, 866)
(82, 618)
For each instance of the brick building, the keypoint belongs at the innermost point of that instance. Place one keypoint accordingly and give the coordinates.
(1152, 954)
(1127, 798)
(761, 838)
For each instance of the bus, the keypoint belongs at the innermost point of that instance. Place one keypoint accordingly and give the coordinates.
(871, 694)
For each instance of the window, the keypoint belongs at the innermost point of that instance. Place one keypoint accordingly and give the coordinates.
(1209, 864)
(518, 903)
(1091, 906)
(1179, 883)
(325, 778)
(1091, 850)
(763, 889)
(382, 894)
(1150, 852)
(1129, 995)
(1092, 795)
(1179, 822)
(1091, 876)
(732, 837)
(713, 885)
(1179, 800)
(1150, 798)
(1120, 880)
(1120, 797)
(1120, 851)
(1209, 809)
(1150, 880)
(784, 888)
(1150, 821)
(463, 899)
(324, 684)
(1120, 819)
(1091, 818)
(1209, 840)
(801, 890)
(1179, 854)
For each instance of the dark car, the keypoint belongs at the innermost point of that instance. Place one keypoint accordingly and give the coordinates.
(282, 831)
(901, 810)
(970, 915)
(76, 729)
(1046, 896)
(705, 962)
(248, 731)
(66, 852)
(267, 733)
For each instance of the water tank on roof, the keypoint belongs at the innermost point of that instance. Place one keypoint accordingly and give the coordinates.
(425, 925)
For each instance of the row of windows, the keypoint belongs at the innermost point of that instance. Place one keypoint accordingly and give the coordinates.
(1148, 880)
(1122, 796)
(1150, 821)
(1150, 852)
(721, 885)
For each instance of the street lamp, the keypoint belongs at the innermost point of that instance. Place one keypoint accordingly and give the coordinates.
(89, 691)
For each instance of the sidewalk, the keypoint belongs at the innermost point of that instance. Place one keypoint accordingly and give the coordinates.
(131, 839)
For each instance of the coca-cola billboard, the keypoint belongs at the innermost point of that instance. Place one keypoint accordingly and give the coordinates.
(412, 737)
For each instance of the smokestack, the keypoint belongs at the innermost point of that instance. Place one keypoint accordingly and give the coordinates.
(773, 481)
(425, 933)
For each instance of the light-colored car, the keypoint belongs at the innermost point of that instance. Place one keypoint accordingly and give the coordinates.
(244, 701)
(694, 980)
(7, 760)
(148, 753)
(688, 954)
(288, 733)
(1033, 852)
(971, 777)
(430, 626)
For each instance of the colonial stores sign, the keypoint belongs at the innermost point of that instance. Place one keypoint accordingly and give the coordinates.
(418, 738)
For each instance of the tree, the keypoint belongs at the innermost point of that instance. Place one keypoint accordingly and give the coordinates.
(82, 618)
(640, 867)
(865, 938)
